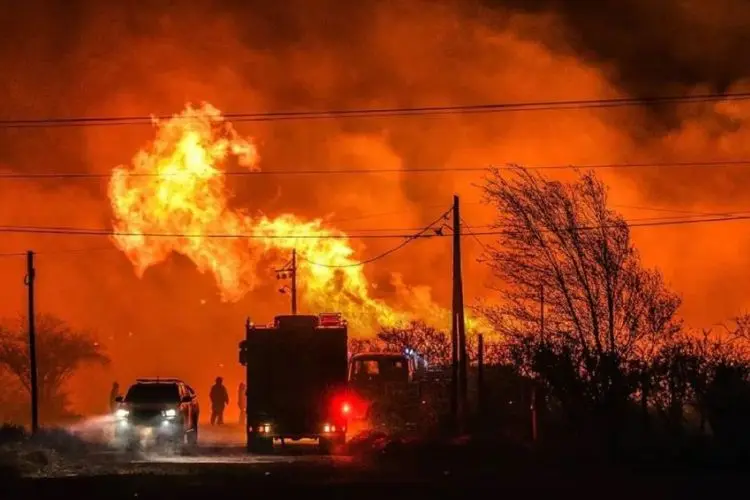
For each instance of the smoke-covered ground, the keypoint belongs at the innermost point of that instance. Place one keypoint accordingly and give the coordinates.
(379, 468)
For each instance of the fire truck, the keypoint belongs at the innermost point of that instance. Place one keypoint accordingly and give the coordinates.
(388, 388)
(296, 369)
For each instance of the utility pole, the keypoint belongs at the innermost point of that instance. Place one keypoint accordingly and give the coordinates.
(30, 277)
(534, 429)
(541, 312)
(480, 376)
(461, 366)
(289, 271)
(454, 355)
(534, 419)
(294, 281)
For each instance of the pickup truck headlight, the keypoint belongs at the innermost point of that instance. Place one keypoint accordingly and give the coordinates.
(120, 414)
(171, 413)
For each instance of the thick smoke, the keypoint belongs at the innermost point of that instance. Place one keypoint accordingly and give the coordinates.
(99, 59)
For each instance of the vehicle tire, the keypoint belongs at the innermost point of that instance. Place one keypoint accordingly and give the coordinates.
(191, 437)
(170, 444)
(325, 445)
(132, 444)
(125, 441)
(332, 445)
(257, 444)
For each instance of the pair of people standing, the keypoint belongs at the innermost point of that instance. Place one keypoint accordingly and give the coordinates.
(220, 399)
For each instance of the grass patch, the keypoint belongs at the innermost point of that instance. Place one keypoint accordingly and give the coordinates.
(24, 454)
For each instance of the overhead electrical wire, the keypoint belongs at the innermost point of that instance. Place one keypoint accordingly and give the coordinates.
(408, 240)
(470, 230)
(351, 171)
(74, 231)
(388, 252)
(502, 107)
(408, 237)
(58, 251)
(665, 218)
(644, 224)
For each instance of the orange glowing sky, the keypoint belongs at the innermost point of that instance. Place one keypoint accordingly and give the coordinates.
(154, 309)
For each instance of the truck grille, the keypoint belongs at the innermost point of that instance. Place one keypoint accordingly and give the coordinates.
(145, 416)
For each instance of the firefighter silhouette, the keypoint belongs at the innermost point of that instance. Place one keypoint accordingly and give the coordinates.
(219, 400)
(113, 394)
(242, 402)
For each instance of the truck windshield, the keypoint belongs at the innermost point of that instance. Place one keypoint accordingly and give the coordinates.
(153, 393)
(385, 368)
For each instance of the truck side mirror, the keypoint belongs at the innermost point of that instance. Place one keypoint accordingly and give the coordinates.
(118, 399)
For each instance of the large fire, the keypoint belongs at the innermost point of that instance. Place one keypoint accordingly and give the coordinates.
(173, 198)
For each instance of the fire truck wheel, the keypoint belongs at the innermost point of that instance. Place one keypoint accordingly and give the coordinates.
(258, 444)
(332, 445)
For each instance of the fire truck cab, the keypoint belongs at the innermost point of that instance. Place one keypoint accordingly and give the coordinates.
(386, 382)
(296, 377)
(384, 367)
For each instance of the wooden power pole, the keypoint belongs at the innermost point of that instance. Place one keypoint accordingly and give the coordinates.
(294, 281)
(30, 277)
(289, 271)
(454, 336)
(460, 364)
(534, 402)
(480, 377)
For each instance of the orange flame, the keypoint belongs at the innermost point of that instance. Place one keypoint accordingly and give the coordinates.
(173, 198)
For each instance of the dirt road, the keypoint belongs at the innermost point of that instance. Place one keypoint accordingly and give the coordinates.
(220, 468)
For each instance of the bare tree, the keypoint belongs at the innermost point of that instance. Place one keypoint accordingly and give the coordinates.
(429, 342)
(357, 346)
(602, 308)
(60, 352)
(433, 344)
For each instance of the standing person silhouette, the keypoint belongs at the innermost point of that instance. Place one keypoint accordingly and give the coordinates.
(219, 400)
(113, 396)
(242, 402)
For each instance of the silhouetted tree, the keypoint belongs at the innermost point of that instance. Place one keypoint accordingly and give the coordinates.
(428, 341)
(672, 375)
(434, 344)
(60, 352)
(13, 403)
(721, 383)
(603, 309)
(364, 345)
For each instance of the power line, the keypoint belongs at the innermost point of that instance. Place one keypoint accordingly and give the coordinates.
(686, 215)
(409, 237)
(476, 238)
(470, 230)
(643, 224)
(387, 252)
(61, 251)
(424, 170)
(70, 231)
(679, 211)
(386, 112)
(393, 212)
(13, 254)
(73, 231)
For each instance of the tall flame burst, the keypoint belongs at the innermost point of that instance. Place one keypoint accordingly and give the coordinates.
(173, 198)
